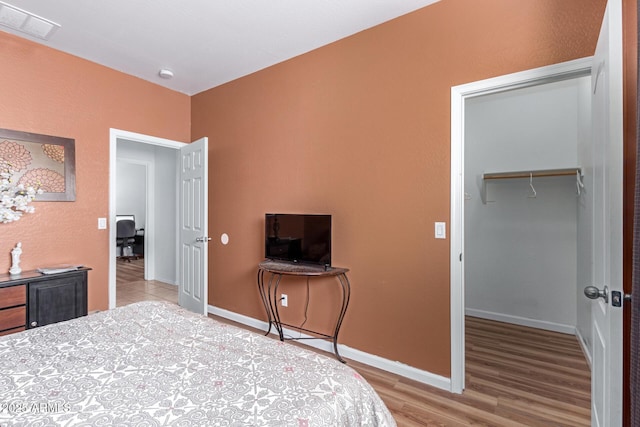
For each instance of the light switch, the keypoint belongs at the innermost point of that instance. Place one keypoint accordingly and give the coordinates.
(102, 223)
(441, 230)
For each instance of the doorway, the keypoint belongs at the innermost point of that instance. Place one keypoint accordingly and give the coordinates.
(159, 158)
(525, 202)
(524, 169)
(460, 96)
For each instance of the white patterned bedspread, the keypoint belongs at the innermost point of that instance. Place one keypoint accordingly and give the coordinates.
(155, 364)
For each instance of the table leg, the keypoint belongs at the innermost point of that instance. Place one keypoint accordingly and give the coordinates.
(346, 295)
(265, 301)
(274, 304)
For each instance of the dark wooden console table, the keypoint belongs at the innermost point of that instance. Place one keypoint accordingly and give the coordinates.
(269, 292)
(33, 299)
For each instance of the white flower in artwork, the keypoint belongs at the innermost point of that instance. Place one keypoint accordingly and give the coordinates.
(14, 199)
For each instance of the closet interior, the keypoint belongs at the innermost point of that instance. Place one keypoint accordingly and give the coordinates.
(526, 227)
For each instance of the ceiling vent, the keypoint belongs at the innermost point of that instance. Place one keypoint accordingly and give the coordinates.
(26, 22)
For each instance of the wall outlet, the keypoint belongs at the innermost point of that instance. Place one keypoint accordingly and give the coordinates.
(284, 300)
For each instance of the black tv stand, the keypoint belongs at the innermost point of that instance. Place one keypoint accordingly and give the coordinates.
(269, 292)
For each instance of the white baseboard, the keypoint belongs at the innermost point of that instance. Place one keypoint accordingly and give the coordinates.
(166, 280)
(522, 321)
(397, 368)
(585, 348)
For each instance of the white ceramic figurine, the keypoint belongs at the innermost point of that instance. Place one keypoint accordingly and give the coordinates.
(15, 259)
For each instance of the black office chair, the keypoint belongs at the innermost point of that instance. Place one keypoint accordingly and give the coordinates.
(125, 237)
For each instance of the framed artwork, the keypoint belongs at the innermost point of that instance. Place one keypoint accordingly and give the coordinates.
(41, 161)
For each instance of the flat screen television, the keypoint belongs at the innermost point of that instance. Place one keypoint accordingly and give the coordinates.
(298, 238)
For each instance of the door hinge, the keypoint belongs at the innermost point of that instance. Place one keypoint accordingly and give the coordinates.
(617, 297)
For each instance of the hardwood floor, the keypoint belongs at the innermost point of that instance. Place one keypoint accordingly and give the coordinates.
(131, 286)
(516, 376)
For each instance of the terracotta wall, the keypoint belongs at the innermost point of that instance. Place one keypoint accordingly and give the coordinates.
(360, 129)
(48, 92)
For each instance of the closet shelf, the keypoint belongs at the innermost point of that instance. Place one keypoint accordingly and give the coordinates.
(577, 172)
(534, 173)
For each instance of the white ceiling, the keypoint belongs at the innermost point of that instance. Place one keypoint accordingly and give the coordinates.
(204, 42)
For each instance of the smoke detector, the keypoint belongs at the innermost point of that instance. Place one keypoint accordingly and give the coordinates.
(165, 74)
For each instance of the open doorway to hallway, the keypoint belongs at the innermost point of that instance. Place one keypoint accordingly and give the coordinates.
(176, 213)
(146, 187)
(135, 281)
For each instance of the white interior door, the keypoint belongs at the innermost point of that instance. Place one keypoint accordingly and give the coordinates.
(192, 252)
(606, 369)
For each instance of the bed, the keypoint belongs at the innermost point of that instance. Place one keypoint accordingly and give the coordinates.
(156, 364)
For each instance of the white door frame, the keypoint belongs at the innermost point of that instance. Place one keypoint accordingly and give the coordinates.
(114, 136)
(459, 95)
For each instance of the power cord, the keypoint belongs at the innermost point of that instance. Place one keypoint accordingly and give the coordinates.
(306, 310)
(306, 307)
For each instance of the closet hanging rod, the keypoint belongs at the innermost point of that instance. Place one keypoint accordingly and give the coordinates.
(534, 173)
(577, 172)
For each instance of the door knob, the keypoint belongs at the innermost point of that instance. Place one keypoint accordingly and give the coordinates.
(592, 292)
(203, 239)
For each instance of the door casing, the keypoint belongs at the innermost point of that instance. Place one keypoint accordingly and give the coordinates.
(459, 95)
